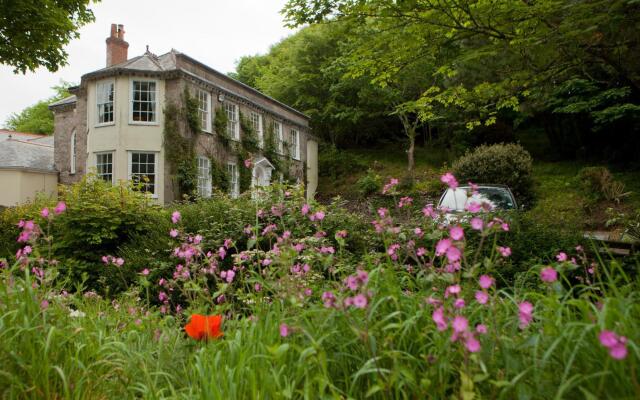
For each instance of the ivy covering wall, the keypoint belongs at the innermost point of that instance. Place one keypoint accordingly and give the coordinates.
(181, 129)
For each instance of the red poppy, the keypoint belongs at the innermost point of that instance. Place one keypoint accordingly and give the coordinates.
(204, 326)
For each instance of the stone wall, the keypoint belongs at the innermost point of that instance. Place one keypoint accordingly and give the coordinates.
(67, 118)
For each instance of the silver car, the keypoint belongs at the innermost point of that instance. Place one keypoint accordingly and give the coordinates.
(488, 197)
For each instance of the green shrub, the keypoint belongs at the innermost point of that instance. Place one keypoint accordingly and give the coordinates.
(598, 184)
(506, 164)
(370, 183)
(335, 163)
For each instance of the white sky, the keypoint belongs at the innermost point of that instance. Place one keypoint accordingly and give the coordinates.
(215, 32)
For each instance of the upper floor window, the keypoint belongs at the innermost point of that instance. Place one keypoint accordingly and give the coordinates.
(144, 102)
(294, 144)
(142, 171)
(204, 176)
(256, 122)
(104, 100)
(204, 107)
(104, 166)
(74, 152)
(233, 128)
(277, 129)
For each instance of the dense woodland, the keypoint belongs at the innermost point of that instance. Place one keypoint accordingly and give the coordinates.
(461, 72)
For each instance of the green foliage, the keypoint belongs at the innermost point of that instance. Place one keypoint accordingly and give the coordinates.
(37, 118)
(181, 128)
(35, 32)
(249, 137)
(370, 183)
(220, 176)
(335, 163)
(220, 126)
(505, 164)
(598, 184)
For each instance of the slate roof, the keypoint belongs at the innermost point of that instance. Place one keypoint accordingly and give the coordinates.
(20, 150)
(67, 100)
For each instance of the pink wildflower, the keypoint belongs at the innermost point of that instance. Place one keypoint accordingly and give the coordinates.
(421, 252)
(459, 303)
(319, 216)
(360, 301)
(145, 272)
(428, 211)
(173, 233)
(473, 207)
(175, 217)
(504, 251)
(45, 212)
(453, 254)
(477, 223)
(456, 233)
(439, 318)
(382, 212)
(405, 202)
(393, 182)
(442, 246)
(549, 275)
(459, 324)
(481, 329)
(617, 345)
(60, 207)
(472, 344)
(562, 256)
(453, 289)
(248, 163)
(284, 330)
(449, 180)
(482, 297)
(525, 314)
(486, 281)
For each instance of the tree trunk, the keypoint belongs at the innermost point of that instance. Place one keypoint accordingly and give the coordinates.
(412, 146)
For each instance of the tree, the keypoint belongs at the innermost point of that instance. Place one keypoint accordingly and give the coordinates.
(38, 118)
(497, 57)
(33, 33)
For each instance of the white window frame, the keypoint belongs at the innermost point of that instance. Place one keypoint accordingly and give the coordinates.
(101, 101)
(113, 171)
(256, 122)
(156, 173)
(73, 143)
(234, 179)
(204, 176)
(156, 111)
(294, 145)
(277, 127)
(204, 110)
(233, 120)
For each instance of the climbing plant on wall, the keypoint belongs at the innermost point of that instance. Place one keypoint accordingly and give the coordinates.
(180, 148)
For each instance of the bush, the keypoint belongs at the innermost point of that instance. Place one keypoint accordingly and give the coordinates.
(335, 163)
(369, 184)
(505, 164)
(598, 184)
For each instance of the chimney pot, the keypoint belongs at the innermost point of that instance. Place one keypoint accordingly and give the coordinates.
(117, 48)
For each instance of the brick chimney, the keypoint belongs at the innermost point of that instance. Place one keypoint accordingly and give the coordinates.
(117, 48)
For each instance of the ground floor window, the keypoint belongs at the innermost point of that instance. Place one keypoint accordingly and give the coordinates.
(143, 171)
(204, 177)
(104, 166)
(234, 179)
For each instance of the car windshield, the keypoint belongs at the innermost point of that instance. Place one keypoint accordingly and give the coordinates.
(496, 197)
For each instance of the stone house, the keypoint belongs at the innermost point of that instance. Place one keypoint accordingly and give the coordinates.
(117, 122)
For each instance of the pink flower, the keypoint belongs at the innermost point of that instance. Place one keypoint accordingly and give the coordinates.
(477, 223)
(44, 304)
(248, 163)
(481, 329)
(360, 301)
(456, 233)
(482, 297)
(486, 281)
(266, 261)
(60, 207)
(525, 314)
(405, 201)
(119, 262)
(145, 272)
(305, 209)
(230, 275)
(328, 299)
(341, 234)
(449, 180)
(548, 274)
(442, 246)
(562, 257)
(393, 182)
(473, 207)
(175, 217)
(428, 211)
(617, 345)
(459, 303)
(45, 212)
(439, 318)
(284, 330)
(421, 252)
(453, 254)
(173, 233)
(472, 344)
(352, 282)
(505, 251)
(319, 215)
(459, 324)
(505, 227)
(453, 289)
(382, 212)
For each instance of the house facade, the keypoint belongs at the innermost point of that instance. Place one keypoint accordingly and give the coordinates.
(116, 122)
(26, 167)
